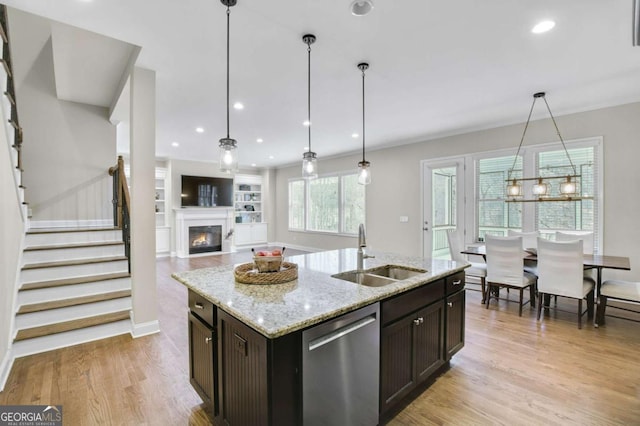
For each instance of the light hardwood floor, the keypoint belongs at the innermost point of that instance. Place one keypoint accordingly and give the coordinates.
(513, 370)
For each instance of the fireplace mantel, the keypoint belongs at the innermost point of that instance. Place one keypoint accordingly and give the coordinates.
(202, 216)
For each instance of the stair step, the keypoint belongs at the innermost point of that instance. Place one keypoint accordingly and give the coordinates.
(74, 245)
(58, 236)
(76, 324)
(73, 262)
(55, 304)
(73, 281)
(69, 338)
(66, 270)
(73, 251)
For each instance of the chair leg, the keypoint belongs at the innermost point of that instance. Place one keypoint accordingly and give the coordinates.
(488, 296)
(532, 295)
(602, 306)
(590, 302)
(520, 310)
(539, 305)
(579, 314)
(483, 289)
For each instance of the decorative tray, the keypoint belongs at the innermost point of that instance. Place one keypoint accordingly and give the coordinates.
(247, 273)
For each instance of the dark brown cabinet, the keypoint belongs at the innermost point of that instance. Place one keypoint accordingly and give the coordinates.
(203, 368)
(412, 341)
(455, 314)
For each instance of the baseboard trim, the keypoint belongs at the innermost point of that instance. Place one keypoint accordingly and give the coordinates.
(5, 368)
(144, 329)
(97, 223)
(296, 247)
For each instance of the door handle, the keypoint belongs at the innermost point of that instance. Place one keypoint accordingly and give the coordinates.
(457, 282)
(418, 321)
(208, 339)
(199, 305)
(425, 229)
(449, 304)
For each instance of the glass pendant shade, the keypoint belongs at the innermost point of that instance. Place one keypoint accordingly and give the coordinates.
(540, 189)
(514, 189)
(309, 165)
(568, 187)
(364, 174)
(228, 155)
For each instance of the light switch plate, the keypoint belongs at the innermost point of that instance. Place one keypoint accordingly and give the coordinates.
(404, 219)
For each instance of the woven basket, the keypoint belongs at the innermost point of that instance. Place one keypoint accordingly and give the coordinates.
(268, 263)
(247, 274)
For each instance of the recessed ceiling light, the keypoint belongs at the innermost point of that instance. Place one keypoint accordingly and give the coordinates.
(199, 130)
(306, 123)
(253, 164)
(361, 7)
(238, 105)
(175, 144)
(354, 135)
(271, 157)
(543, 27)
(259, 140)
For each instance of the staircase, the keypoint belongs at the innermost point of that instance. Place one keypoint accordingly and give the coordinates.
(74, 287)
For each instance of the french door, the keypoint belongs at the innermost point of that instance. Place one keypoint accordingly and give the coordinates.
(443, 203)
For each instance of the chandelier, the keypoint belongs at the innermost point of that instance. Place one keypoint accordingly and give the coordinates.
(541, 189)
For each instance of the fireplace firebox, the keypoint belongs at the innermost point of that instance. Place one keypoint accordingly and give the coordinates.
(205, 239)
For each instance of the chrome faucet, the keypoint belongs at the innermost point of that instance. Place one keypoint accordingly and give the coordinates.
(362, 243)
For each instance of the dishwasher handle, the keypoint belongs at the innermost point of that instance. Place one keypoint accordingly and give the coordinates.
(342, 331)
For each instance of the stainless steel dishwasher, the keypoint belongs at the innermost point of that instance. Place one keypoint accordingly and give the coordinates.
(340, 369)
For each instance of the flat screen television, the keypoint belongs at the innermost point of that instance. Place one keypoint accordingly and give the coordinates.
(202, 191)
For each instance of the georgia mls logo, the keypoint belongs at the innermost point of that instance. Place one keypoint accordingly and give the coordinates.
(30, 415)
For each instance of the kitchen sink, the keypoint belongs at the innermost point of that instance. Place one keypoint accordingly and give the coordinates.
(396, 272)
(363, 278)
(379, 277)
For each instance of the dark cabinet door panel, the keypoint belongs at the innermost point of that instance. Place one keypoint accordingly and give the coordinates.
(244, 373)
(202, 368)
(455, 323)
(396, 360)
(429, 340)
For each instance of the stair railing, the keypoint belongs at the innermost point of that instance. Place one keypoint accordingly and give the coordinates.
(10, 92)
(121, 203)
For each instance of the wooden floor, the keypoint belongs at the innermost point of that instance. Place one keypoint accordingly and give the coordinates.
(512, 370)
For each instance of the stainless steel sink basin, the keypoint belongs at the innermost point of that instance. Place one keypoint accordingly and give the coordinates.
(396, 272)
(379, 277)
(366, 279)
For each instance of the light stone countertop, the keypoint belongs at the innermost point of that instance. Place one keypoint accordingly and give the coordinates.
(278, 309)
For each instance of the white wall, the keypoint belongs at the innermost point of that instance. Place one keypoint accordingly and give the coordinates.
(68, 146)
(395, 188)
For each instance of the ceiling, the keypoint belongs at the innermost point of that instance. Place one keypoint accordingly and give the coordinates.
(437, 68)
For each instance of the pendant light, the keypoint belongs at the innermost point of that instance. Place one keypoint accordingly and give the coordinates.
(541, 188)
(228, 146)
(309, 158)
(364, 173)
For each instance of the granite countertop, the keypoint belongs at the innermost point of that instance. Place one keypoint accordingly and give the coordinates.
(279, 309)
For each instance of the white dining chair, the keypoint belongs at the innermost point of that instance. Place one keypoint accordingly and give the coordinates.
(505, 268)
(478, 270)
(560, 273)
(529, 242)
(586, 237)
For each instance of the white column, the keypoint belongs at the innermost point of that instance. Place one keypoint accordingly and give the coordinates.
(144, 316)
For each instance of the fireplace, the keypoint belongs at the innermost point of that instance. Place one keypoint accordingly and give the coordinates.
(205, 239)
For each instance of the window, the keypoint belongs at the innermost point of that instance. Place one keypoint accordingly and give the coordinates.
(496, 217)
(333, 204)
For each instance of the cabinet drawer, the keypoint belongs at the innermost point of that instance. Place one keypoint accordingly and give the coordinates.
(412, 300)
(202, 308)
(455, 282)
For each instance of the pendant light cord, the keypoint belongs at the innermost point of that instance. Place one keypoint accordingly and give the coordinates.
(228, 15)
(559, 135)
(363, 160)
(309, 92)
(515, 159)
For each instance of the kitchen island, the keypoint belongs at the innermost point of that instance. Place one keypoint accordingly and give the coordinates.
(247, 353)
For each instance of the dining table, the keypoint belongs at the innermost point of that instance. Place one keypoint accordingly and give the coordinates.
(590, 261)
